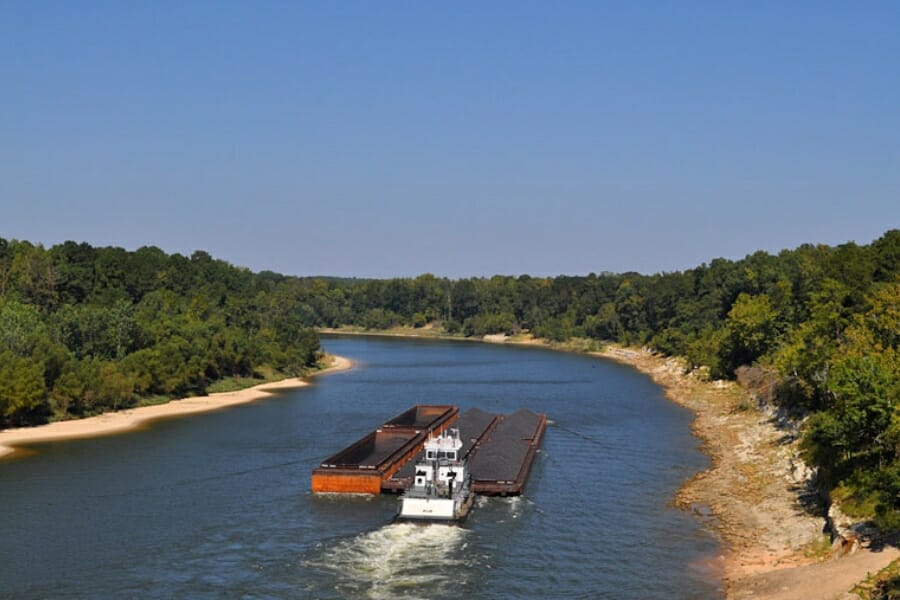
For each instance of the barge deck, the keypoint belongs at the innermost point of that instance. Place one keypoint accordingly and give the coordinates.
(502, 464)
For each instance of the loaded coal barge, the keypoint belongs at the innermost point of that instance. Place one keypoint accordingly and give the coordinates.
(491, 455)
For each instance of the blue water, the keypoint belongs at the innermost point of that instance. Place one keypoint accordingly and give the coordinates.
(218, 505)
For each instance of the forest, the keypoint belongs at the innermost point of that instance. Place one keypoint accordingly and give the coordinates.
(86, 329)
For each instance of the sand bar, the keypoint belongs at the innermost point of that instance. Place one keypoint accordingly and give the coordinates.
(124, 420)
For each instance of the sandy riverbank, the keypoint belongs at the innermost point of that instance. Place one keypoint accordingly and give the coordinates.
(124, 420)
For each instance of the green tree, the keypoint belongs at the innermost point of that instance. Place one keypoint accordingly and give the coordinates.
(21, 327)
(23, 395)
(865, 395)
(604, 325)
(752, 330)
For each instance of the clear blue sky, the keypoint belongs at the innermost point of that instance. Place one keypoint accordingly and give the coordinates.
(391, 139)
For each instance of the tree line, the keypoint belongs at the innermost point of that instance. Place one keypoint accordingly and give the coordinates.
(84, 330)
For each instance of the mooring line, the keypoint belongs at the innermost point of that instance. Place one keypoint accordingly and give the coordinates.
(583, 436)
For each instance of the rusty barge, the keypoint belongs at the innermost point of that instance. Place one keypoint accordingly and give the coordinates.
(499, 450)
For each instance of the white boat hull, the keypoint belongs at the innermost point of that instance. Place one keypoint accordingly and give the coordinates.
(428, 509)
(448, 510)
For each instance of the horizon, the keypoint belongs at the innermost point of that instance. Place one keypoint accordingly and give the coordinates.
(452, 278)
(466, 141)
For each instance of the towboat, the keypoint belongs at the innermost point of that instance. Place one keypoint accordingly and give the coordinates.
(442, 488)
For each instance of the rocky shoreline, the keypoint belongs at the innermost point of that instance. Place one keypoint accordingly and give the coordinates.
(781, 541)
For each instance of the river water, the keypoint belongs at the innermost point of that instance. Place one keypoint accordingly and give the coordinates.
(218, 505)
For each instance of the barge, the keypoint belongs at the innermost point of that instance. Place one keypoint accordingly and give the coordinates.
(499, 451)
(362, 467)
(502, 463)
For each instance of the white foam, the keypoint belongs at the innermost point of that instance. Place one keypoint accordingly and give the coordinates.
(399, 560)
(516, 505)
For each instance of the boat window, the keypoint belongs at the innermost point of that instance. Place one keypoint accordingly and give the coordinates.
(442, 454)
(451, 455)
(430, 454)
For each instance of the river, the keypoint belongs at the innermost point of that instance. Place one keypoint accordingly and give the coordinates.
(218, 505)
